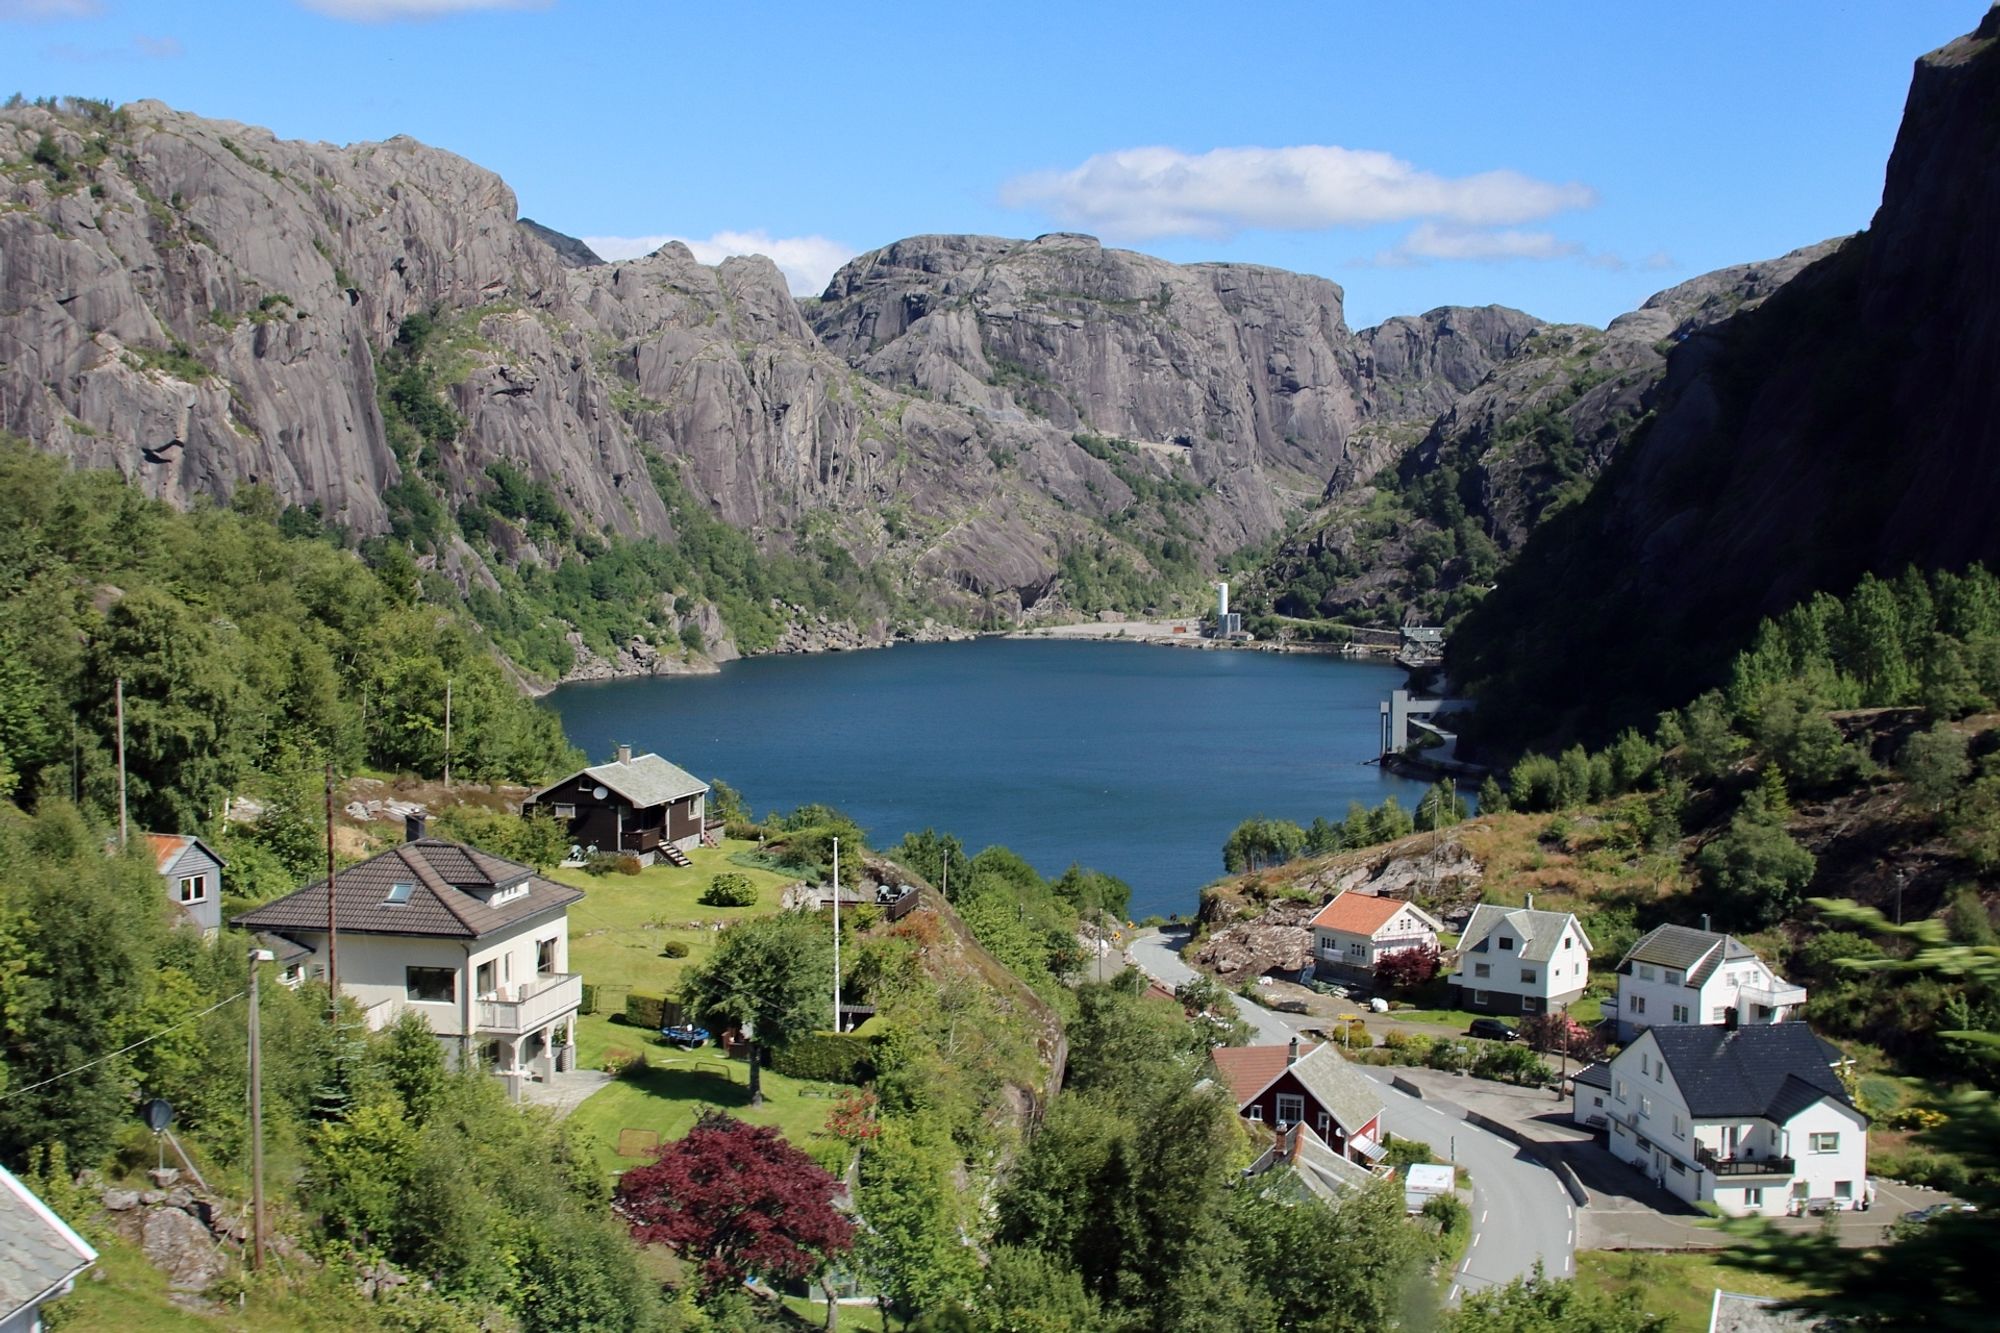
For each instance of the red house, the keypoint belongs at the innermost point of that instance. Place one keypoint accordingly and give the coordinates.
(1280, 1086)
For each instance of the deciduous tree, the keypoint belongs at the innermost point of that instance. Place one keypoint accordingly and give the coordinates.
(771, 974)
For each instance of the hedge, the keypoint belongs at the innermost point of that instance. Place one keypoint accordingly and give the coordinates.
(827, 1057)
(650, 1011)
(730, 889)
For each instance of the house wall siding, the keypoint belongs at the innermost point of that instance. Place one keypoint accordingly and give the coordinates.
(206, 914)
(1722, 990)
(1266, 1104)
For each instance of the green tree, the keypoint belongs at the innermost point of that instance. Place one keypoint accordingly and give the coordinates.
(1934, 763)
(1092, 892)
(770, 975)
(1794, 731)
(1755, 871)
(1353, 1266)
(1260, 842)
(914, 1227)
(940, 858)
(1440, 807)
(1540, 1304)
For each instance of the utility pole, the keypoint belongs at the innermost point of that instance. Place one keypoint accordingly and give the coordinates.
(332, 926)
(836, 936)
(257, 956)
(119, 696)
(447, 733)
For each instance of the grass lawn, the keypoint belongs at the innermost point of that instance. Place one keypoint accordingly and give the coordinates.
(1458, 1020)
(1680, 1286)
(672, 1091)
(617, 931)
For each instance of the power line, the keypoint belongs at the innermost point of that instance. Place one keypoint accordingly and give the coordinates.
(22, 1092)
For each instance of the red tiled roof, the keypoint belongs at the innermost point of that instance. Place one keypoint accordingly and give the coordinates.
(1248, 1070)
(1358, 913)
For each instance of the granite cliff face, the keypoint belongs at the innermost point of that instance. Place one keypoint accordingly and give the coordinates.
(1007, 428)
(1849, 423)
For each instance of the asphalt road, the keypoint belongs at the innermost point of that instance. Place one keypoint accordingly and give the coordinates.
(1520, 1213)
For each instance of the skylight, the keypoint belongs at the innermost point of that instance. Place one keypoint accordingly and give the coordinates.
(398, 894)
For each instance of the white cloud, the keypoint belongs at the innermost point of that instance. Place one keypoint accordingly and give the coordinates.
(1431, 240)
(391, 11)
(1147, 192)
(806, 261)
(43, 11)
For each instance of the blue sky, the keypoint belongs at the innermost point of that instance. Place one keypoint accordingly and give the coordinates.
(1565, 158)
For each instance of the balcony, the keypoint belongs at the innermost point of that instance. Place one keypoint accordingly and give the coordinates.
(537, 1004)
(1780, 995)
(1742, 1166)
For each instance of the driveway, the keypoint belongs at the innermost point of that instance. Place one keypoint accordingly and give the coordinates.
(1520, 1214)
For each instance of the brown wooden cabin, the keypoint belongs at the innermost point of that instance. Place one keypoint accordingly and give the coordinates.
(637, 805)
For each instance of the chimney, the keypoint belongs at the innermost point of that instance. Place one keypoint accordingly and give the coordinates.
(1704, 922)
(1729, 1019)
(624, 754)
(413, 826)
(1292, 1052)
(1531, 902)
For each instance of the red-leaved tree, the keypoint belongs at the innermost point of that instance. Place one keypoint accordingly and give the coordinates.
(741, 1200)
(1560, 1035)
(1407, 967)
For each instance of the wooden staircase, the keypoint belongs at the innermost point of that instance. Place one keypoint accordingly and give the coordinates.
(674, 854)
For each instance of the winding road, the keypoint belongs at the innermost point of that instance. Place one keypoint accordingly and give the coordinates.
(1521, 1215)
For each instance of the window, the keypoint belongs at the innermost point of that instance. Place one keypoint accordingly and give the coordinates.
(565, 812)
(1826, 1143)
(1673, 977)
(1291, 1109)
(1621, 1090)
(1357, 949)
(1638, 1004)
(294, 974)
(1843, 1189)
(1660, 1072)
(1680, 1126)
(1482, 969)
(1753, 1197)
(1801, 1189)
(399, 894)
(1680, 1013)
(1324, 1127)
(1565, 941)
(1645, 1063)
(1479, 997)
(1531, 1004)
(1506, 941)
(194, 888)
(1257, 1114)
(1645, 1107)
(1718, 1014)
(1645, 971)
(1528, 975)
(1679, 1168)
(483, 985)
(545, 957)
(431, 985)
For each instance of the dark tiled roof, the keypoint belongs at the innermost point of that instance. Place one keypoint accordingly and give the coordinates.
(644, 781)
(1678, 947)
(1770, 1071)
(450, 884)
(1597, 1075)
(38, 1250)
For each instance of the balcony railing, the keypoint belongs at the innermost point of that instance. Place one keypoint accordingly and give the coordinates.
(539, 1003)
(1782, 995)
(1742, 1166)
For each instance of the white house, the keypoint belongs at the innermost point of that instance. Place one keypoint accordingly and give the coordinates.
(1357, 930)
(1751, 1119)
(1590, 1095)
(41, 1256)
(1679, 975)
(476, 944)
(1515, 960)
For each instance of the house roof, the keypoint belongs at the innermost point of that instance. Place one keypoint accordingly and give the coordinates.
(284, 948)
(449, 888)
(1348, 1097)
(1594, 1075)
(1318, 1168)
(39, 1252)
(1537, 933)
(1733, 1312)
(1769, 1071)
(644, 781)
(1696, 952)
(1366, 913)
(167, 848)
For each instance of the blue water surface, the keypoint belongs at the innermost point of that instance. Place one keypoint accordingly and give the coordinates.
(1132, 759)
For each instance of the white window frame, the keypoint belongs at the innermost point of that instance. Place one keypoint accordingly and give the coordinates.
(1753, 1196)
(1257, 1114)
(1528, 975)
(1638, 1005)
(194, 889)
(1482, 969)
(1681, 1013)
(1826, 1142)
(1296, 1103)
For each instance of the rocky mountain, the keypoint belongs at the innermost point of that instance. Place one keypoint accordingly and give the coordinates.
(990, 429)
(1849, 423)
(1527, 439)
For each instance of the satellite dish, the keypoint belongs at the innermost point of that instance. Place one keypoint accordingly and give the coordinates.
(599, 792)
(159, 1113)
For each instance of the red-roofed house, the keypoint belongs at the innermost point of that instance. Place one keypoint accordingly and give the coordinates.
(1358, 930)
(1282, 1086)
(194, 877)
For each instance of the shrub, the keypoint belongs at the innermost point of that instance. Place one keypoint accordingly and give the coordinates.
(600, 863)
(628, 864)
(826, 1057)
(621, 1063)
(1452, 1218)
(589, 1002)
(1917, 1166)
(1916, 1117)
(729, 889)
(1407, 967)
(674, 949)
(645, 1011)
(1510, 1064)
(1449, 1056)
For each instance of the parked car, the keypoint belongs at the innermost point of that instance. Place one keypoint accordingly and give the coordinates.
(686, 1036)
(1492, 1029)
(1939, 1210)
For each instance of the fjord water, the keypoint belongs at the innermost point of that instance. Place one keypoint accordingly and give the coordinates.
(1135, 760)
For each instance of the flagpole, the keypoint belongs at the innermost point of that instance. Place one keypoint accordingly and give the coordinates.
(836, 935)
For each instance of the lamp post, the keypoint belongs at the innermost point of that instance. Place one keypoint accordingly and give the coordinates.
(256, 1116)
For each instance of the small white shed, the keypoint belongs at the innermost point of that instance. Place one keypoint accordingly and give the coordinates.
(1424, 1182)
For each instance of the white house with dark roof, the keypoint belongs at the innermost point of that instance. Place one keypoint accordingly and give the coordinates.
(1516, 960)
(476, 944)
(1751, 1119)
(193, 875)
(1355, 931)
(41, 1256)
(639, 805)
(1677, 975)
